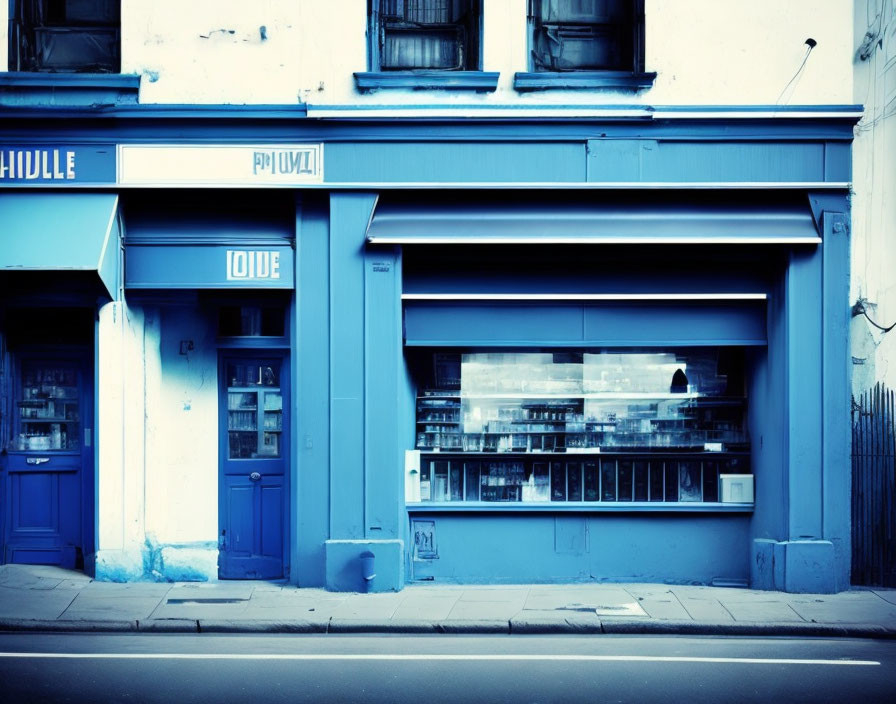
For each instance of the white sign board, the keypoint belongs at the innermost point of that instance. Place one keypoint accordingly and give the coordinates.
(242, 165)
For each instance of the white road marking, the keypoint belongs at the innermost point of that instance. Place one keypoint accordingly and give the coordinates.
(433, 657)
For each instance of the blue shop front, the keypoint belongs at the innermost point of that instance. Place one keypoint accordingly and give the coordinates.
(367, 352)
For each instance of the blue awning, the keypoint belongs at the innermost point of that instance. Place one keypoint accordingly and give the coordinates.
(206, 241)
(61, 232)
(594, 218)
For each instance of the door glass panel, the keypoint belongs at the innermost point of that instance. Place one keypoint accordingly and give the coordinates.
(252, 374)
(48, 407)
(254, 410)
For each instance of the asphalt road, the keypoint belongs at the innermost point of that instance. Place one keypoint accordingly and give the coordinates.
(395, 669)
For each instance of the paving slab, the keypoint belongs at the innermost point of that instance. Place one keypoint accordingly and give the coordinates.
(590, 596)
(39, 576)
(886, 594)
(659, 603)
(705, 609)
(199, 610)
(485, 611)
(364, 607)
(88, 608)
(500, 594)
(31, 604)
(765, 611)
(283, 613)
(207, 590)
(855, 607)
(426, 607)
(113, 590)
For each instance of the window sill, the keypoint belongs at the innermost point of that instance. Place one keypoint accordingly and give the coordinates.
(22, 89)
(578, 507)
(479, 81)
(583, 80)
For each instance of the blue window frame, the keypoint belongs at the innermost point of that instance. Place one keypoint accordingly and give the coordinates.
(434, 35)
(585, 44)
(425, 45)
(65, 36)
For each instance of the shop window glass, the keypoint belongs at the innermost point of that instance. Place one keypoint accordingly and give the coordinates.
(586, 35)
(581, 426)
(441, 35)
(65, 36)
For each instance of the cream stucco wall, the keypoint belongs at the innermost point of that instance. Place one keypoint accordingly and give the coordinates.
(181, 428)
(704, 51)
(874, 204)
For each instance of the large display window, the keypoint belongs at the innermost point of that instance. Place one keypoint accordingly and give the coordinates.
(591, 425)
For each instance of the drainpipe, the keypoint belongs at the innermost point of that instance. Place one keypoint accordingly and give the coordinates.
(368, 569)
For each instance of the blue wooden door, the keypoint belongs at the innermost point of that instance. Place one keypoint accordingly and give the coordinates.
(47, 476)
(254, 455)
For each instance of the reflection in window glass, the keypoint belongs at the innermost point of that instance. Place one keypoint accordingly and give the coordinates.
(48, 407)
(254, 410)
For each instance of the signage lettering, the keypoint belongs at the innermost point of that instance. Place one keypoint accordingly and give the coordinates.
(243, 265)
(34, 164)
(280, 161)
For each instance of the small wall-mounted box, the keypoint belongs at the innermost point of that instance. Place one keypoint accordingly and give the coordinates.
(736, 488)
(412, 476)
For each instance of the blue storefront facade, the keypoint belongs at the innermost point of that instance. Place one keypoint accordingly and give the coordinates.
(482, 350)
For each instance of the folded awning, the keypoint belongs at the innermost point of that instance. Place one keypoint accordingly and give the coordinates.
(61, 232)
(593, 218)
(204, 241)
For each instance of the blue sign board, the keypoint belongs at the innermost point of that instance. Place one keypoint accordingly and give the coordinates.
(57, 164)
(209, 266)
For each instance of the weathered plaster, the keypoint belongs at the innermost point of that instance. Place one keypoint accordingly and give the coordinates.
(873, 207)
(215, 51)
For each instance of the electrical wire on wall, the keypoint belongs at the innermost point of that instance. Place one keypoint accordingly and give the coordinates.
(859, 309)
(794, 81)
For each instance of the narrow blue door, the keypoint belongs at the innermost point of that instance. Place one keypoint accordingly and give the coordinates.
(254, 451)
(47, 477)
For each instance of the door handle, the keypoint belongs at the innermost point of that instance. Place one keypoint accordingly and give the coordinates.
(36, 460)
(255, 476)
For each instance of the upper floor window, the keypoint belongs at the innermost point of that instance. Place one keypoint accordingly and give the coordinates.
(65, 36)
(415, 35)
(587, 35)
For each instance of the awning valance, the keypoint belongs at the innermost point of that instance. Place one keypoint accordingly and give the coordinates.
(623, 322)
(204, 241)
(61, 232)
(593, 218)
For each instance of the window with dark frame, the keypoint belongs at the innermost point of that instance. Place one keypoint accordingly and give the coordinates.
(425, 35)
(586, 35)
(65, 36)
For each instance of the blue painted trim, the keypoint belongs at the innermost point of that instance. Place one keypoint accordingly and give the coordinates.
(579, 507)
(684, 341)
(480, 81)
(40, 127)
(117, 81)
(721, 109)
(582, 80)
(268, 111)
(74, 90)
(836, 422)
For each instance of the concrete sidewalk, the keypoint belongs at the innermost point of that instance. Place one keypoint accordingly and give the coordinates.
(35, 598)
